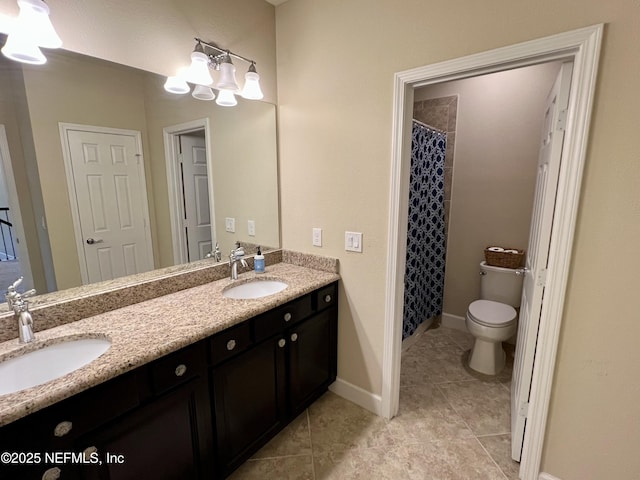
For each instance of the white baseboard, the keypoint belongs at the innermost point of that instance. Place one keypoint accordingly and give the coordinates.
(357, 395)
(546, 476)
(453, 321)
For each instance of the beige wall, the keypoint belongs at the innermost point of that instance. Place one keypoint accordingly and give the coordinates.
(494, 170)
(336, 62)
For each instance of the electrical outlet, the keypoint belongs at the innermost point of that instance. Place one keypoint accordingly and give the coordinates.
(230, 224)
(353, 241)
(317, 237)
(251, 228)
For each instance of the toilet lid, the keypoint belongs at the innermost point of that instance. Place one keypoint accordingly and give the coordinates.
(492, 314)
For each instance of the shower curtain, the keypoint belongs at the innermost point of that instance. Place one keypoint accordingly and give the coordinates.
(424, 274)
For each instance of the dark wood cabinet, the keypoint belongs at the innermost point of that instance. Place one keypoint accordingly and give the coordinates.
(249, 393)
(287, 360)
(197, 413)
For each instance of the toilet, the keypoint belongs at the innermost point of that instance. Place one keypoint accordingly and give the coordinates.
(493, 318)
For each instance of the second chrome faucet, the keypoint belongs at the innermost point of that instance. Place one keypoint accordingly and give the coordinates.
(237, 256)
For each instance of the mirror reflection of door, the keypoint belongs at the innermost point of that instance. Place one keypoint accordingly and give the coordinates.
(195, 195)
(110, 201)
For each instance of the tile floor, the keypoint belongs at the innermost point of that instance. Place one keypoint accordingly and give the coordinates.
(451, 425)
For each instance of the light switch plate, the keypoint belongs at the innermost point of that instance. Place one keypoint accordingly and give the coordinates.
(251, 228)
(230, 224)
(317, 237)
(353, 242)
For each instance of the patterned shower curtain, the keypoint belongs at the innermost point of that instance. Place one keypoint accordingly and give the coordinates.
(424, 275)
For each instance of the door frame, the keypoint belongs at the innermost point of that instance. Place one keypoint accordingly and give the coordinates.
(14, 205)
(176, 208)
(582, 46)
(75, 212)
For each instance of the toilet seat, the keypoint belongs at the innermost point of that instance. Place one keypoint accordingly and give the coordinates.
(491, 314)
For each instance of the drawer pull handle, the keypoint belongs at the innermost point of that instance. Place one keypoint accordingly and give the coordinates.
(282, 342)
(231, 344)
(181, 370)
(52, 474)
(88, 452)
(327, 299)
(294, 337)
(287, 317)
(62, 429)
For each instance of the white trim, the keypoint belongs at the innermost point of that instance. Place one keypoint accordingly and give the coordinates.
(65, 128)
(583, 47)
(547, 476)
(454, 321)
(357, 395)
(176, 206)
(14, 206)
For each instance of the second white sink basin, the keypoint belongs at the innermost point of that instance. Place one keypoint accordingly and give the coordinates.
(53, 361)
(254, 289)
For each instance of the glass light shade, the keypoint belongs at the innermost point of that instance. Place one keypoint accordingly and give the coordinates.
(227, 79)
(203, 93)
(226, 98)
(176, 84)
(251, 89)
(22, 49)
(198, 72)
(34, 21)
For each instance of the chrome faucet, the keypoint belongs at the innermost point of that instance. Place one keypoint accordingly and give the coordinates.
(215, 254)
(237, 255)
(20, 307)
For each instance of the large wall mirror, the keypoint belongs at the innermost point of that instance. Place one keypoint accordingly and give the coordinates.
(196, 171)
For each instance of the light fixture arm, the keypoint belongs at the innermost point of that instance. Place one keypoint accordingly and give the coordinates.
(223, 52)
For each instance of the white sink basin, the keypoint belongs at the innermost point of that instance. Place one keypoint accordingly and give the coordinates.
(254, 289)
(40, 366)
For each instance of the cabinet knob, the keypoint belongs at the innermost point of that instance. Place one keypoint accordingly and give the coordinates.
(327, 299)
(287, 317)
(88, 452)
(282, 342)
(294, 337)
(62, 429)
(52, 474)
(181, 370)
(231, 344)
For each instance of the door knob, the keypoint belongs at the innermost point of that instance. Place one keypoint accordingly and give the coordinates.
(91, 241)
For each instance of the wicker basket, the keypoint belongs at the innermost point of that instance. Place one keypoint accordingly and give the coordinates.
(504, 259)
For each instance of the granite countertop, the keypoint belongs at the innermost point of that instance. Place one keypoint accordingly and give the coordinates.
(145, 331)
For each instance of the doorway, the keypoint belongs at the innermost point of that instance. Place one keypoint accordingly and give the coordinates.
(188, 162)
(580, 46)
(14, 258)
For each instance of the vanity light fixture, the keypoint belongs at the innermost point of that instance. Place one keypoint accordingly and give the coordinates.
(206, 57)
(31, 30)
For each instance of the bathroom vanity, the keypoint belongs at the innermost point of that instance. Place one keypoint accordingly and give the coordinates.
(198, 411)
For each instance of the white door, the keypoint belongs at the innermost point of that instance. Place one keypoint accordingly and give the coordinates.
(537, 253)
(110, 203)
(195, 188)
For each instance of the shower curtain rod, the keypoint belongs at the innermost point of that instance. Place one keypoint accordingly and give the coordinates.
(436, 130)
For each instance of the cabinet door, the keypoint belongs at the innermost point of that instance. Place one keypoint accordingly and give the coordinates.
(312, 358)
(249, 401)
(168, 438)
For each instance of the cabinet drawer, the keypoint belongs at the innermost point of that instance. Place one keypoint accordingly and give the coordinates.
(276, 320)
(86, 411)
(326, 296)
(176, 368)
(230, 342)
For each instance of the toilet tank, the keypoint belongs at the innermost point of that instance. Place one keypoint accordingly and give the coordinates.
(500, 284)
